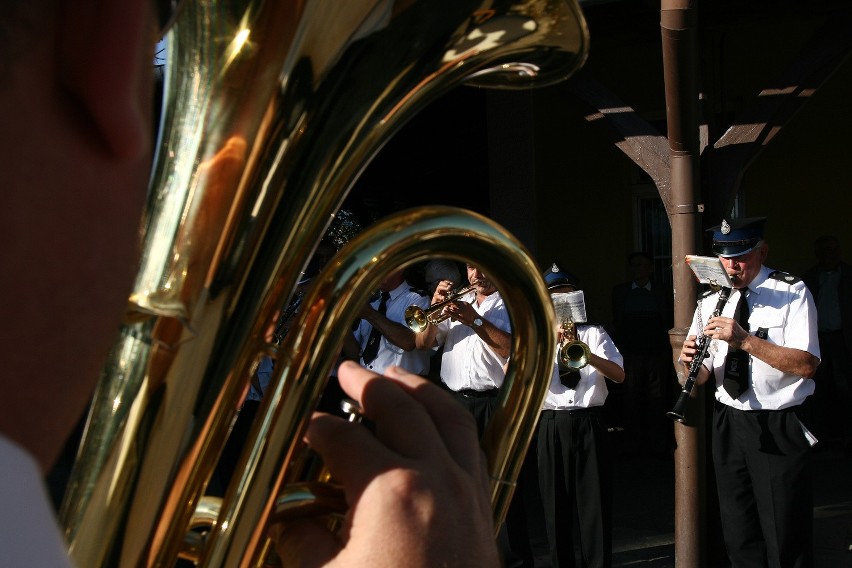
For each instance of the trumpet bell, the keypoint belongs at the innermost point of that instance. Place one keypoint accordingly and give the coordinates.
(574, 355)
(416, 319)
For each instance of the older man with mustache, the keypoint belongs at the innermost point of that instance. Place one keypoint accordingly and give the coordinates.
(763, 355)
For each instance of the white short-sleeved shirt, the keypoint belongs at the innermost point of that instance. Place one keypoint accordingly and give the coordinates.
(591, 389)
(415, 361)
(29, 535)
(782, 312)
(467, 362)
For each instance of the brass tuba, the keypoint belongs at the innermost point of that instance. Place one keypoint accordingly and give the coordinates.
(271, 110)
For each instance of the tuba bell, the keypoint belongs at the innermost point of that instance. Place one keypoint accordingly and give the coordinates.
(271, 111)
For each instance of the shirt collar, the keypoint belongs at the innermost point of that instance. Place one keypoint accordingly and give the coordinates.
(394, 294)
(755, 285)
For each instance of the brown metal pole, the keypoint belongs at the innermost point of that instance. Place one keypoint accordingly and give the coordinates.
(679, 40)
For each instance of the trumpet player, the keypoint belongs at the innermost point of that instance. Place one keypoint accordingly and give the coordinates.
(573, 456)
(475, 333)
(476, 336)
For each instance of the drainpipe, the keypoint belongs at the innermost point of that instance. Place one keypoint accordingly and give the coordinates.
(678, 23)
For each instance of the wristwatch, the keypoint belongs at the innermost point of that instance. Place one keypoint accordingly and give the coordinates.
(477, 322)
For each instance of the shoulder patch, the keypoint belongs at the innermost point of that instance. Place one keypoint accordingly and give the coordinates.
(785, 277)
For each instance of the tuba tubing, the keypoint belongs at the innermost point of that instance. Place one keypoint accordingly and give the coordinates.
(334, 301)
(268, 121)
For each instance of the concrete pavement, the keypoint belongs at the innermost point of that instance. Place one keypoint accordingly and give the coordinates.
(643, 511)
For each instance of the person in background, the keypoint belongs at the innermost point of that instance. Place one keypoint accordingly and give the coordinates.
(830, 282)
(476, 339)
(435, 271)
(440, 269)
(476, 336)
(642, 315)
(382, 338)
(760, 364)
(76, 98)
(574, 459)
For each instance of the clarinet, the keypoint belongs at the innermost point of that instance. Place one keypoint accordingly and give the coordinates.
(679, 409)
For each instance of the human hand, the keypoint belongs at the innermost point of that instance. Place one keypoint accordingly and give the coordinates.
(461, 311)
(726, 329)
(687, 351)
(417, 489)
(442, 291)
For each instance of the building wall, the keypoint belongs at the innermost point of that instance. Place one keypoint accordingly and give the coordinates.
(803, 179)
(585, 212)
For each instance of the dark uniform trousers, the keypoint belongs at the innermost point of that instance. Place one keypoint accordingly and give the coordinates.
(763, 477)
(521, 540)
(575, 471)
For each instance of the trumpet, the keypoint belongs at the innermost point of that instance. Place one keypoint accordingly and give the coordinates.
(417, 319)
(573, 354)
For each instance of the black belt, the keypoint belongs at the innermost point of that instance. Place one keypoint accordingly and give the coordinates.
(470, 393)
(720, 405)
(578, 410)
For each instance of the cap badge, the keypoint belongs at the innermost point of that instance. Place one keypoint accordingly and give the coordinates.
(725, 227)
(554, 268)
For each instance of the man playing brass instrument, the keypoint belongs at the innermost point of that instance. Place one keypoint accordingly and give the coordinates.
(476, 339)
(76, 109)
(573, 457)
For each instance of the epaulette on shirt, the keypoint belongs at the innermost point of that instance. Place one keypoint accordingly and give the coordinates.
(785, 277)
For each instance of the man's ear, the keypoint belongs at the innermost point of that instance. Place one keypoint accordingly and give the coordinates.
(105, 60)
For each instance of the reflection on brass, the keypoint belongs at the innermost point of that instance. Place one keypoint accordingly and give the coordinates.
(271, 110)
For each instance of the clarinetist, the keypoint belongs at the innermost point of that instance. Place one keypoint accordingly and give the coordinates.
(763, 354)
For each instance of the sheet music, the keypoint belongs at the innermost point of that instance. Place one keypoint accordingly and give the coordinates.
(709, 270)
(570, 305)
